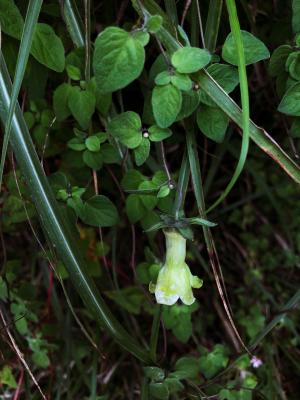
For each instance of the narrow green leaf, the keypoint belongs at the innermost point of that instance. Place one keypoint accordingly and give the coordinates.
(73, 23)
(296, 16)
(32, 15)
(241, 61)
(213, 24)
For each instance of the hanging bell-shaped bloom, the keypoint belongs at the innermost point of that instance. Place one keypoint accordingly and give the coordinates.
(175, 280)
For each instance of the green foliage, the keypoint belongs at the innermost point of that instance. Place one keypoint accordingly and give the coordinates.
(226, 76)
(213, 362)
(82, 105)
(296, 16)
(7, 378)
(166, 103)
(98, 211)
(110, 117)
(190, 59)
(118, 59)
(61, 102)
(254, 49)
(213, 122)
(179, 320)
(154, 23)
(278, 59)
(11, 19)
(290, 102)
(48, 48)
(127, 128)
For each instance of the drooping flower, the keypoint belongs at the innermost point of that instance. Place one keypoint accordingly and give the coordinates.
(175, 280)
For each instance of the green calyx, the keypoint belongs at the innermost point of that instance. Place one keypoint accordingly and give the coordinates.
(175, 280)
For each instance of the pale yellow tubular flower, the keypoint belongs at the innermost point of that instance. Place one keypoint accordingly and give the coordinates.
(175, 280)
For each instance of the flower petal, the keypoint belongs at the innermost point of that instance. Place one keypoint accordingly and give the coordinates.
(196, 282)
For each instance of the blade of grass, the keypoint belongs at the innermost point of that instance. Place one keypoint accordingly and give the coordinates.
(183, 180)
(211, 249)
(73, 22)
(291, 304)
(32, 15)
(227, 104)
(155, 332)
(171, 9)
(213, 24)
(236, 32)
(55, 224)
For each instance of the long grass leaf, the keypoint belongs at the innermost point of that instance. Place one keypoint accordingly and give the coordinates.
(55, 224)
(33, 11)
(291, 304)
(237, 35)
(211, 249)
(213, 24)
(171, 10)
(73, 23)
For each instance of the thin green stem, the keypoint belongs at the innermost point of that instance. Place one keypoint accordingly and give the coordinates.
(155, 332)
(87, 25)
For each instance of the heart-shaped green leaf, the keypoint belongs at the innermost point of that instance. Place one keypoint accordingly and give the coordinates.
(127, 128)
(254, 49)
(118, 59)
(166, 104)
(190, 59)
(99, 211)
